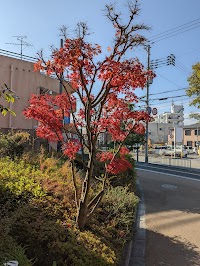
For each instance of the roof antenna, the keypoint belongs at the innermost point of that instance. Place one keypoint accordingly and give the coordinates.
(22, 43)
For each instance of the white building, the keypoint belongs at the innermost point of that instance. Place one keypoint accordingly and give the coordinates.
(158, 132)
(160, 128)
(175, 117)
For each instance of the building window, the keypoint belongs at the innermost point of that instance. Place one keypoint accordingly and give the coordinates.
(189, 143)
(187, 132)
(195, 132)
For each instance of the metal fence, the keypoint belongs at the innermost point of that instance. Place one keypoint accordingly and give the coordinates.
(18, 56)
(170, 161)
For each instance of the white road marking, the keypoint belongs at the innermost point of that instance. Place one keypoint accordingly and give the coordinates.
(153, 171)
(177, 170)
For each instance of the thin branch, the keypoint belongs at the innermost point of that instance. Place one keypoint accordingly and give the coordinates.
(95, 199)
(75, 184)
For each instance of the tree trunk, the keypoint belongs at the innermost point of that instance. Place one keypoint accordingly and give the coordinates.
(81, 218)
(82, 211)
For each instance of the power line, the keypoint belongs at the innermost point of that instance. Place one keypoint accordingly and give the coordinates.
(163, 92)
(182, 69)
(166, 37)
(168, 91)
(169, 60)
(166, 104)
(176, 96)
(194, 50)
(169, 80)
(185, 69)
(164, 32)
(175, 31)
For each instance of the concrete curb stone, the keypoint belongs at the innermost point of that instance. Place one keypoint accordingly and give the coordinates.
(137, 247)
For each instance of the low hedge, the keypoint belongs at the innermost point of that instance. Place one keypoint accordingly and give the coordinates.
(38, 217)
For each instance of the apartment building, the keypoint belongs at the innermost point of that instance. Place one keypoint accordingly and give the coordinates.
(159, 129)
(20, 77)
(175, 117)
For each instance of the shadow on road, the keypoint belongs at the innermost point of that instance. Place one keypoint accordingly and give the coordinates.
(170, 251)
(172, 220)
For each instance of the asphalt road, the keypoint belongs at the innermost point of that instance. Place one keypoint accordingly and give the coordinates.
(171, 170)
(172, 220)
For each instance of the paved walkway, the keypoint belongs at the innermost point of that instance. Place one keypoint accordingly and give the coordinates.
(172, 220)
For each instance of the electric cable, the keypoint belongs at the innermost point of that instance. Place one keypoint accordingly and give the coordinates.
(175, 31)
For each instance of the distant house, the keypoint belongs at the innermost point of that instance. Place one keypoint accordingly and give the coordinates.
(191, 135)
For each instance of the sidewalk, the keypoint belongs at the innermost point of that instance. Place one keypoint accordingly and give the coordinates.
(192, 158)
(172, 220)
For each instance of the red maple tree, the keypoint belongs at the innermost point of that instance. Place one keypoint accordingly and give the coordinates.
(106, 109)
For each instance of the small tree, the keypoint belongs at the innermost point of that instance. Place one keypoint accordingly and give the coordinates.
(8, 95)
(13, 143)
(105, 89)
(194, 85)
(135, 139)
(195, 116)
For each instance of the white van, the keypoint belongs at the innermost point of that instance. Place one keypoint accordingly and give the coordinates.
(179, 151)
(189, 149)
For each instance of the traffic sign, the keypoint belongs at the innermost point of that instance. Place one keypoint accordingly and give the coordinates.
(149, 110)
(154, 111)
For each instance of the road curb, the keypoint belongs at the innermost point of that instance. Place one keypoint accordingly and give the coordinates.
(137, 246)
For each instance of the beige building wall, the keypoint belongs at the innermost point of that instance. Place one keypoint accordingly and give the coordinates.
(191, 135)
(19, 76)
(158, 132)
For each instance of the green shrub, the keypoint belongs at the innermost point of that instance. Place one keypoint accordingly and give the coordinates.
(19, 178)
(39, 212)
(120, 204)
(58, 241)
(10, 250)
(12, 144)
(116, 217)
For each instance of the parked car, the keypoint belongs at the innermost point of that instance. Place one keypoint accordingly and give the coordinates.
(178, 151)
(189, 149)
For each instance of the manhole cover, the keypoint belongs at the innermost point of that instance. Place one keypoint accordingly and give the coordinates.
(169, 186)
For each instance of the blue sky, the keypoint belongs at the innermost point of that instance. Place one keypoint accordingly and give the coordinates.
(40, 21)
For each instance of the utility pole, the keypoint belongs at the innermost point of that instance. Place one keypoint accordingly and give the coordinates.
(174, 140)
(147, 104)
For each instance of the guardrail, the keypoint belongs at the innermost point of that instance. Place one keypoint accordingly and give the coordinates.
(186, 163)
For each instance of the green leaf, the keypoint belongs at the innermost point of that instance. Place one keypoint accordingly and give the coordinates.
(9, 98)
(13, 113)
(4, 111)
